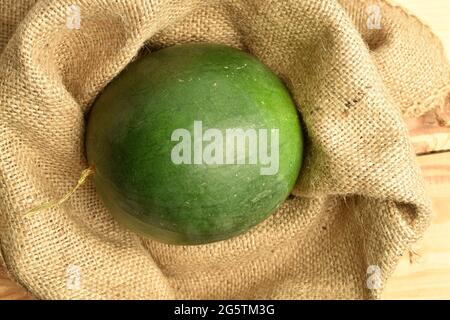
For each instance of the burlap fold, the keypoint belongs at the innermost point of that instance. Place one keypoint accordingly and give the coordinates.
(359, 202)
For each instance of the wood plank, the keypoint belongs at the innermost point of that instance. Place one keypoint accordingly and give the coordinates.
(428, 134)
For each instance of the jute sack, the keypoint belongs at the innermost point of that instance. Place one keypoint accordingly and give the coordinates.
(358, 205)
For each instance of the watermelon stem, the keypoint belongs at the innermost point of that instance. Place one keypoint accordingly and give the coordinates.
(85, 174)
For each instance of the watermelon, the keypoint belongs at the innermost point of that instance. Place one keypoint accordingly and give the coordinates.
(194, 143)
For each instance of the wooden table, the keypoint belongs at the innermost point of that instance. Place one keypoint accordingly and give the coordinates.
(427, 274)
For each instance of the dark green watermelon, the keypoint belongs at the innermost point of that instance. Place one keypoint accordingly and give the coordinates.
(185, 144)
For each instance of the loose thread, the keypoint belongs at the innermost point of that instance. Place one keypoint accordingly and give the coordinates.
(86, 173)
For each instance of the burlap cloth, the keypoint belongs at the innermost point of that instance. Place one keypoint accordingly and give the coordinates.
(358, 205)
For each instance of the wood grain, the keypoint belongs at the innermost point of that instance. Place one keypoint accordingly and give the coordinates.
(428, 135)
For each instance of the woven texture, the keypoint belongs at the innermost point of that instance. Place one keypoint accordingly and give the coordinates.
(359, 202)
